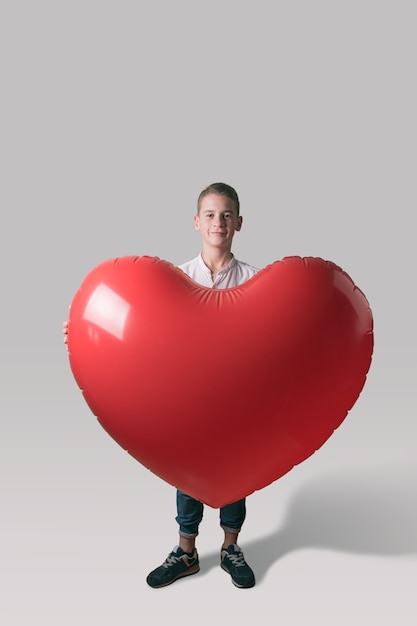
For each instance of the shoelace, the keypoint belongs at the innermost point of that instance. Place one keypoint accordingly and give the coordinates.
(237, 559)
(171, 560)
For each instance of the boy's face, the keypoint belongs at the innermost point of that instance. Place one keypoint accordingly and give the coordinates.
(217, 221)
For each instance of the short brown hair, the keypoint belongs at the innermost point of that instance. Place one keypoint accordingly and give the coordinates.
(220, 189)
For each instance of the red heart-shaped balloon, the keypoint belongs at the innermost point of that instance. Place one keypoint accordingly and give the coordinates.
(220, 392)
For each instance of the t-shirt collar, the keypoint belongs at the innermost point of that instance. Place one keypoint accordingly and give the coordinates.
(225, 270)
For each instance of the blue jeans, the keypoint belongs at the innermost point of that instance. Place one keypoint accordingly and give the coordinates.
(190, 514)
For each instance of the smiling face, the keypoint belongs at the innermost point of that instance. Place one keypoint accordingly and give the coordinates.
(217, 220)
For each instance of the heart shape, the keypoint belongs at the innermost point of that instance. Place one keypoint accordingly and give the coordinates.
(220, 392)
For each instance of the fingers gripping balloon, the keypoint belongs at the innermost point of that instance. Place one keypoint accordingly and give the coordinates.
(263, 372)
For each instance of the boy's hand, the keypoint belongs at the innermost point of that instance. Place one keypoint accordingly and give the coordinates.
(65, 331)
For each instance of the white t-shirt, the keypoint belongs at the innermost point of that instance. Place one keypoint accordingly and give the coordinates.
(234, 274)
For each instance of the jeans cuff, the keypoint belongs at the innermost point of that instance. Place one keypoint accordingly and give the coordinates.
(227, 529)
(187, 535)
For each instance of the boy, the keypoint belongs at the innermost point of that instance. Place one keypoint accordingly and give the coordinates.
(217, 220)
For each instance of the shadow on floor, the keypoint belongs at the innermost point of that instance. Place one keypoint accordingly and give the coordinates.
(362, 511)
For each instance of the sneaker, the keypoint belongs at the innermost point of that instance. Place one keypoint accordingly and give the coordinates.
(233, 562)
(177, 564)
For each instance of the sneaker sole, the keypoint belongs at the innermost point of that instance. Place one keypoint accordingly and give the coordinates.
(193, 570)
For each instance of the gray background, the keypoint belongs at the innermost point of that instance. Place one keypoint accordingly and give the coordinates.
(114, 115)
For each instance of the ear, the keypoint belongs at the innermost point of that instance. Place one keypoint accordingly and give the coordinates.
(197, 222)
(239, 222)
